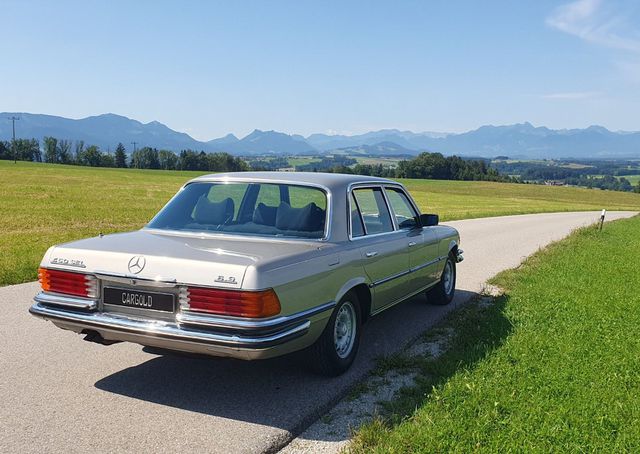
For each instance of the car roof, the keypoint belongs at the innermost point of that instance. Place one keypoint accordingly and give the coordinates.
(332, 181)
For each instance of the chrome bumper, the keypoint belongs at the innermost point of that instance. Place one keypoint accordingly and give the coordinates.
(80, 315)
(459, 257)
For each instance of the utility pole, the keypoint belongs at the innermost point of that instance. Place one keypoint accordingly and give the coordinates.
(13, 119)
(134, 146)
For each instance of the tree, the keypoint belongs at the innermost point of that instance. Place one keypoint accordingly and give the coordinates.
(188, 160)
(78, 152)
(145, 158)
(121, 156)
(50, 149)
(5, 150)
(167, 160)
(63, 155)
(107, 160)
(92, 156)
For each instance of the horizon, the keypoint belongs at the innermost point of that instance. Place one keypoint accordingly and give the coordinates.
(209, 69)
(524, 123)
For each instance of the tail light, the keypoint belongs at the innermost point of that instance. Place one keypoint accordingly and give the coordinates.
(68, 283)
(230, 302)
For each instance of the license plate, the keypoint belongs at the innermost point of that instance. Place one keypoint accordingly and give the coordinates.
(164, 302)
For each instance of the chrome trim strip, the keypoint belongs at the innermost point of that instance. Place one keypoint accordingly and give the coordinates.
(429, 263)
(404, 273)
(167, 330)
(65, 300)
(198, 318)
(124, 278)
(401, 299)
(389, 278)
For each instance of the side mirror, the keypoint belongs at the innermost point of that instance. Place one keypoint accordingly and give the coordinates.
(428, 220)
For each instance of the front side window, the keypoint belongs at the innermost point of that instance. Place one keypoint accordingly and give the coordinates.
(406, 216)
(373, 210)
(255, 209)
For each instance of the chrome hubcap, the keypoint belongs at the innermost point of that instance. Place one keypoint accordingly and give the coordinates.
(344, 330)
(447, 277)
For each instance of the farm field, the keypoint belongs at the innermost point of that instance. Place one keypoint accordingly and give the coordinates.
(44, 204)
(547, 367)
(633, 179)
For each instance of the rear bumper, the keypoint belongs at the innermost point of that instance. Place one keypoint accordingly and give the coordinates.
(196, 333)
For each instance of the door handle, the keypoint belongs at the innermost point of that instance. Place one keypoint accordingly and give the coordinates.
(412, 243)
(371, 254)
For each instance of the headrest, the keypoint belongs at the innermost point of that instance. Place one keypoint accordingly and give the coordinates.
(309, 218)
(265, 215)
(213, 213)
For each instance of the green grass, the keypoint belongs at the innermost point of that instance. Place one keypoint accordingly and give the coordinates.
(302, 160)
(44, 204)
(474, 199)
(553, 365)
(387, 162)
(633, 179)
(47, 204)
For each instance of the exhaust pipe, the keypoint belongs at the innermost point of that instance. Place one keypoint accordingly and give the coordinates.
(96, 337)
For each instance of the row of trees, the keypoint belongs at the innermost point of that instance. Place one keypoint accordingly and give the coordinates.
(427, 165)
(60, 151)
(151, 158)
(605, 182)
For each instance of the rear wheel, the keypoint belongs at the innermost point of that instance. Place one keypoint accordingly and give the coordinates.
(442, 293)
(336, 348)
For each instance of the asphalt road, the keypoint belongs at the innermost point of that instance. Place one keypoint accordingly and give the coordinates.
(60, 394)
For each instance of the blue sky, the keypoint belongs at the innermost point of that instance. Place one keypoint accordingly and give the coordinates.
(209, 68)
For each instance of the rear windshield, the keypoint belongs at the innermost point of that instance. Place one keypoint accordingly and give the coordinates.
(264, 209)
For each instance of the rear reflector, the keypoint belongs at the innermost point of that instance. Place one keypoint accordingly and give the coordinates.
(68, 283)
(235, 303)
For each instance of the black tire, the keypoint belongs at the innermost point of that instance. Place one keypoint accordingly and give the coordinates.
(442, 293)
(324, 356)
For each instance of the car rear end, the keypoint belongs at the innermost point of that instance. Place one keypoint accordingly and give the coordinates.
(107, 308)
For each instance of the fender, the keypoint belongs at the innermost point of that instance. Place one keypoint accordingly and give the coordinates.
(351, 283)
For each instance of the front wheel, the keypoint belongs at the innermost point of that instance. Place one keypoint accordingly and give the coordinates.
(442, 293)
(336, 348)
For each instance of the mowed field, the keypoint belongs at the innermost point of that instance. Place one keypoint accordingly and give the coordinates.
(43, 204)
(551, 366)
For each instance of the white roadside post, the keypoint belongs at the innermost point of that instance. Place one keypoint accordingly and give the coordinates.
(602, 215)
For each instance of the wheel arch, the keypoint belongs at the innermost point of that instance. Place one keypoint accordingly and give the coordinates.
(453, 248)
(360, 287)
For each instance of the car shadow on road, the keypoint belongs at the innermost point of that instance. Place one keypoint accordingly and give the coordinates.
(278, 392)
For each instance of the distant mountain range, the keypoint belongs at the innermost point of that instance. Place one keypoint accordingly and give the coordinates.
(519, 140)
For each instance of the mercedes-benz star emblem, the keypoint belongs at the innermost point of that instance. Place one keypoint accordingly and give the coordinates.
(137, 263)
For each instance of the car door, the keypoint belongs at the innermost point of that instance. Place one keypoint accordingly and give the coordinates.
(383, 248)
(421, 242)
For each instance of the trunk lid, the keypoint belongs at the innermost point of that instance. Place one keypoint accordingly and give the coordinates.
(195, 260)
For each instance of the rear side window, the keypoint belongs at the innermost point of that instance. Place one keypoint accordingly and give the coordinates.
(374, 210)
(357, 227)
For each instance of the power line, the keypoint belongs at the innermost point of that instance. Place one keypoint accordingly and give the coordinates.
(13, 119)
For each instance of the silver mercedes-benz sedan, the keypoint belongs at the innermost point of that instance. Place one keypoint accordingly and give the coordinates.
(254, 265)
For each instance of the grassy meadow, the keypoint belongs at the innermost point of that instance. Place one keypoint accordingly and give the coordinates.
(44, 204)
(551, 366)
(633, 179)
